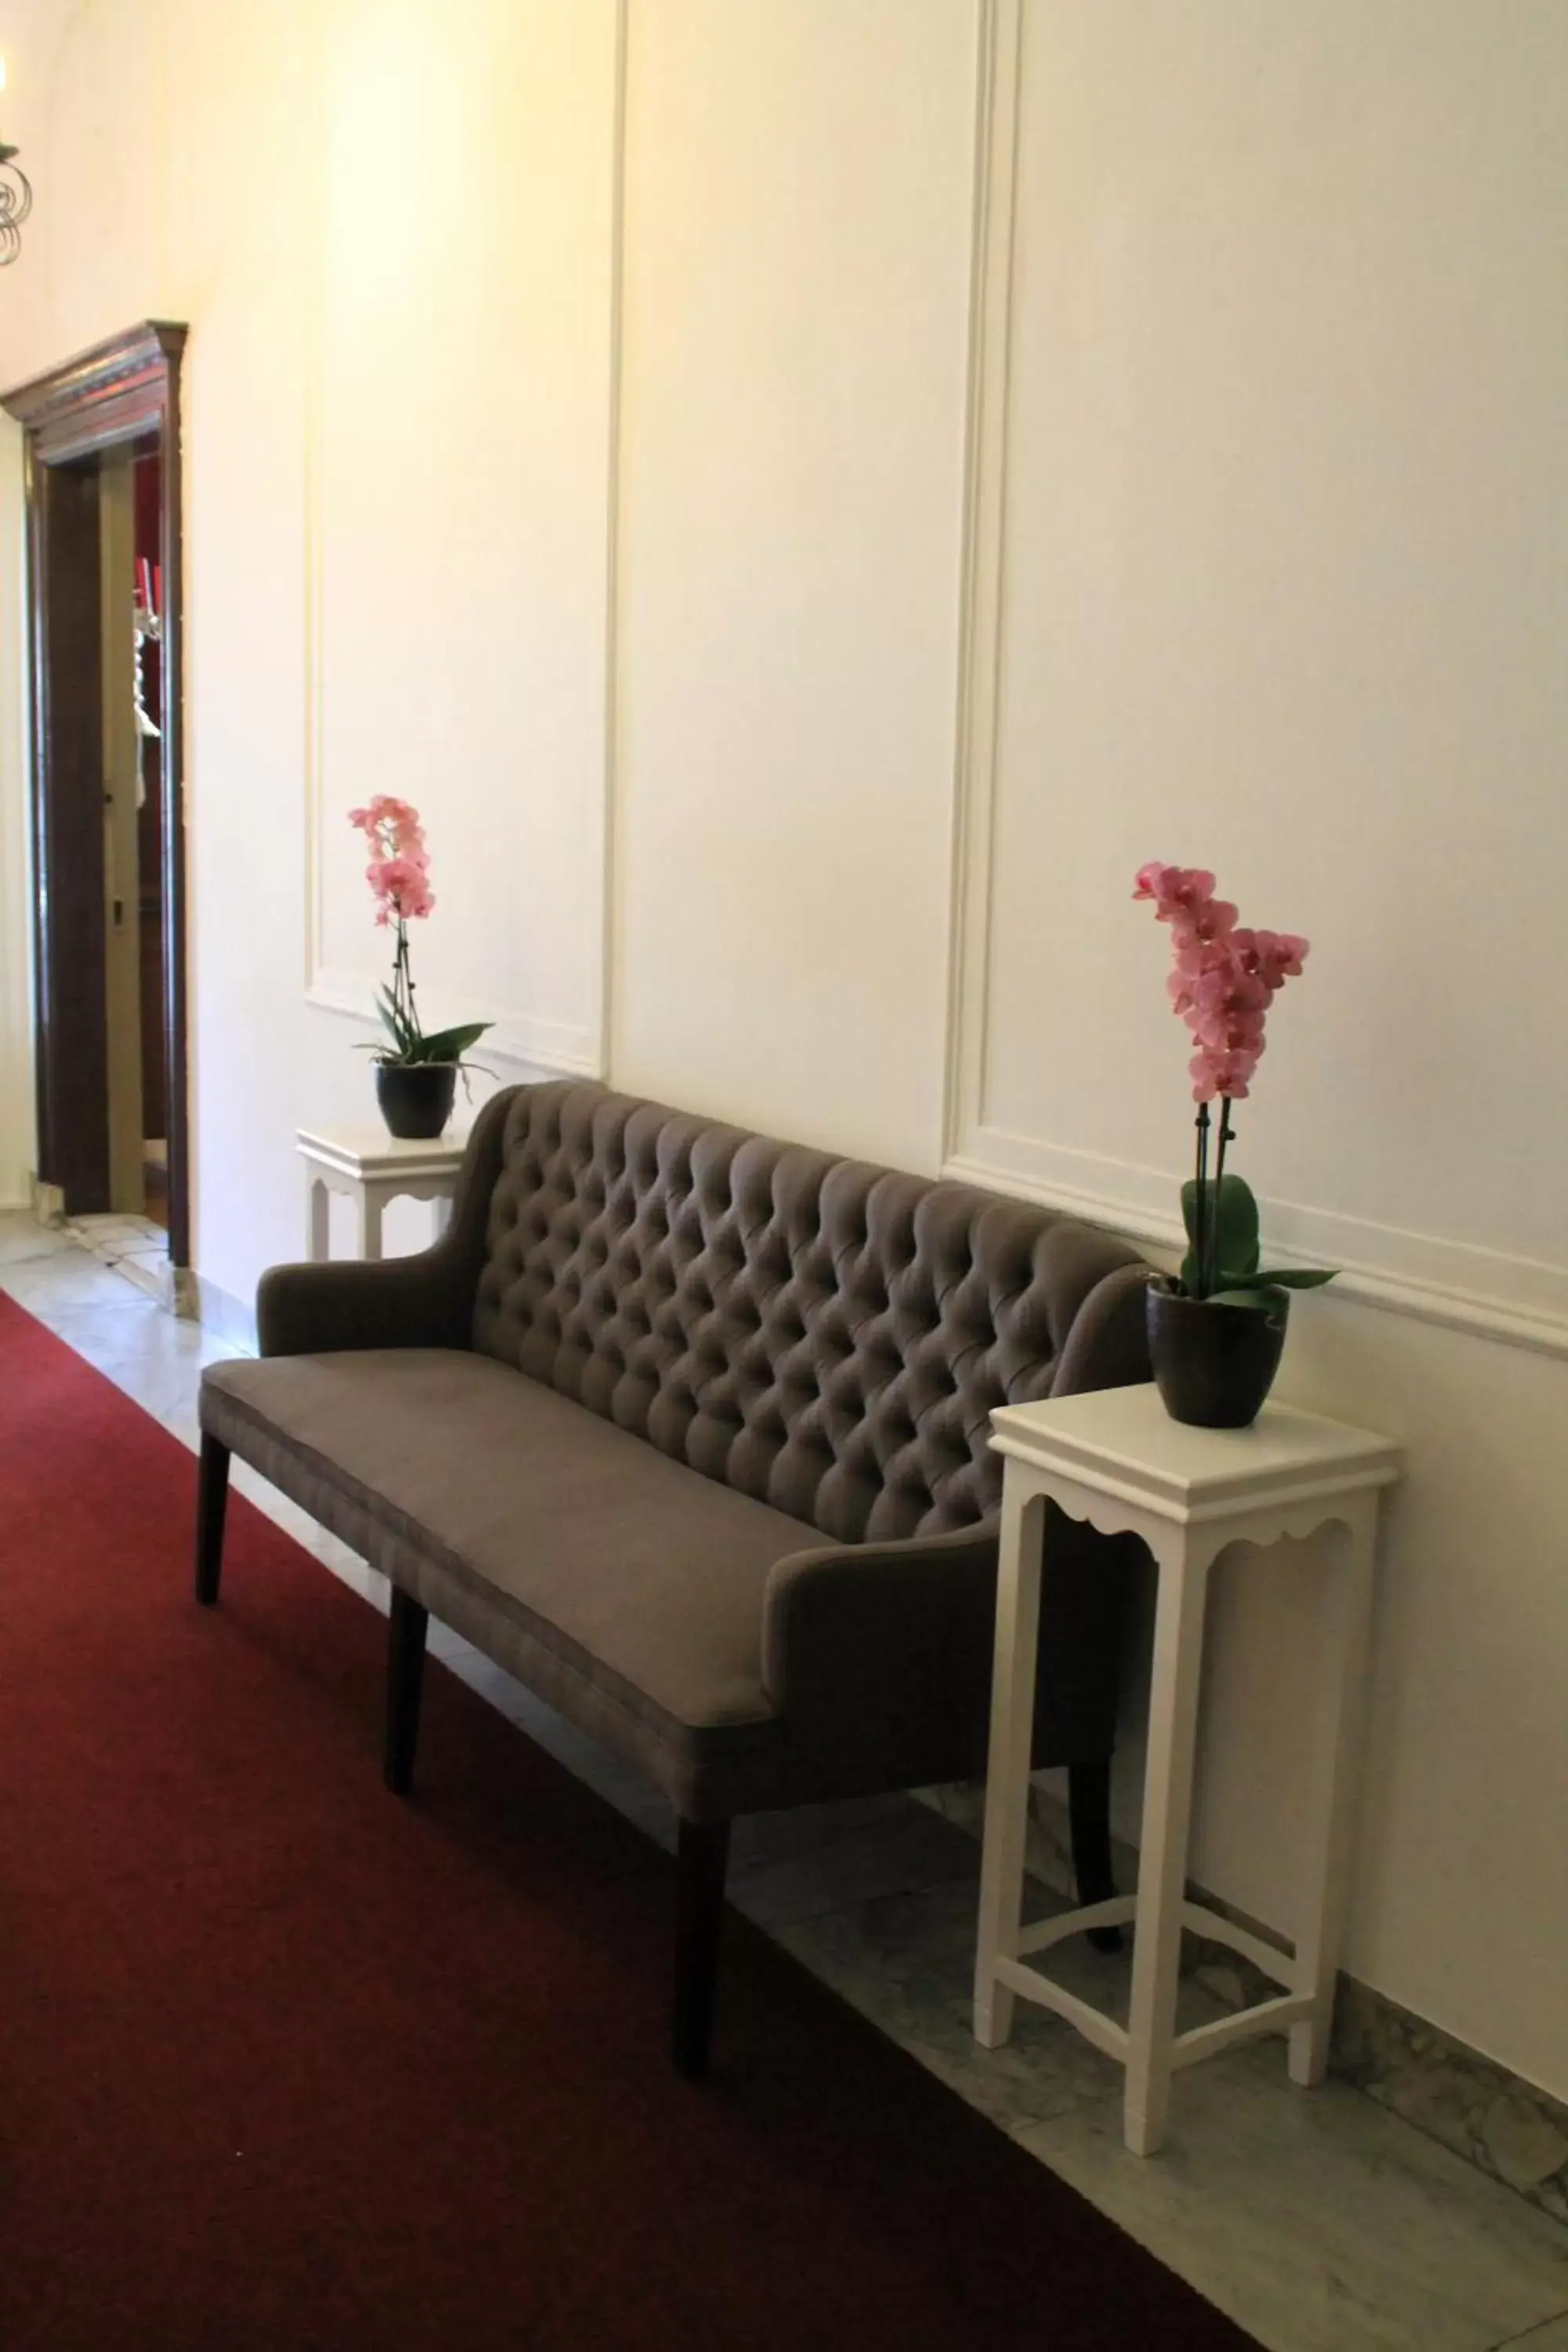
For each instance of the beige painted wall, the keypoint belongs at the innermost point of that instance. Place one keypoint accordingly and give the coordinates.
(790, 720)
(796, 279)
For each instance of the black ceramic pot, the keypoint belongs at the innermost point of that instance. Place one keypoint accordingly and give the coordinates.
(1214, 1365)
(415, 1097)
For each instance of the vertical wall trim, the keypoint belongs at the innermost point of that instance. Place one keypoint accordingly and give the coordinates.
(983, 549)
(312, 348)
(609, 900)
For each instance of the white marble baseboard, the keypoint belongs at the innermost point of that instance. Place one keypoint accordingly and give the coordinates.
(1504, 2125)
(226, 1318)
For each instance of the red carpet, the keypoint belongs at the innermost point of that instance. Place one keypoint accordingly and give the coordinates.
(286, 2063)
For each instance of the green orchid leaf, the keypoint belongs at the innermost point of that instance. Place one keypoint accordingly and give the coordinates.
(1276, 1277)
(399, 1029)
(1237, 1228)
(451, 1045)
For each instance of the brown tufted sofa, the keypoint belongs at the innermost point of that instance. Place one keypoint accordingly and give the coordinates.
(689, 1430)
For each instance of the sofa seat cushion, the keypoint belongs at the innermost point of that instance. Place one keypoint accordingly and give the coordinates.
(646, 1579)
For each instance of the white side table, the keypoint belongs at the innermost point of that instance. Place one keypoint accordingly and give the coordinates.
(372, 1168)
(1117, 1459)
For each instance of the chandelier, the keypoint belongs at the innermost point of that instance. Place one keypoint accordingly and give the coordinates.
(15, 204)
(15, 196)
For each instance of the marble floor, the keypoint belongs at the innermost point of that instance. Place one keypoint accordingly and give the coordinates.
(1319, 2221)
(134, 1245)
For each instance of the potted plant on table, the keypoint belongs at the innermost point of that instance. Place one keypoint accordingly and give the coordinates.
(415, 1074)
(1217, 1330)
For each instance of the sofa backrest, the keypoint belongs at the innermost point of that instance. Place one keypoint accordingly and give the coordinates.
(826, 1336)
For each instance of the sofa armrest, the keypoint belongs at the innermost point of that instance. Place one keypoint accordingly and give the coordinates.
(878, 1656)
(401, 1302)
(425, 1300)
(1108, 1345)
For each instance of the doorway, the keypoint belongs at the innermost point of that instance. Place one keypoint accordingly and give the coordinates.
(102, 448)
(129, 522)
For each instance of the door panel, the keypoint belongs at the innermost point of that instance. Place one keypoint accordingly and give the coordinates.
(73, 1065)
(121, 778)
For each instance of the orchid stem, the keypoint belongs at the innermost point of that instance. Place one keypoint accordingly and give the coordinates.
(402, 981)
(1200, 1220)
(1225, 1137)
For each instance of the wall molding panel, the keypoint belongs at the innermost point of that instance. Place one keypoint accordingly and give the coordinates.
(542, 1041)
(608, 836)
(556, 1049)
(984, 543)
(1517, 1300)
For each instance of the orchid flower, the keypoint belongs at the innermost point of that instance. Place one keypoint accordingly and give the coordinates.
(1223, 984)
(399, 879)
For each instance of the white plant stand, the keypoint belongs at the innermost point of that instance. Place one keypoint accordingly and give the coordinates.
(1116, 1460)
(372, 1168)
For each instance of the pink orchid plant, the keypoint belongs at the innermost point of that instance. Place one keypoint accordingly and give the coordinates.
(399, 879)
(1224, 983)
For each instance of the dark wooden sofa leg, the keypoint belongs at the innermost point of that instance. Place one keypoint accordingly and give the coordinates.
(409, 1622)
(212, 1496)
(1089, 1813)
(702, 1857)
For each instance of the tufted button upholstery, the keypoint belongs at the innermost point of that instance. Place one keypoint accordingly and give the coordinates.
(826, 1335)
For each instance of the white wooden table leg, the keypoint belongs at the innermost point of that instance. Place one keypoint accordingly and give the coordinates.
(1012, 1745)
(1162, 1856)
(1330, 1837)
(443, 1215)
(370, 1207)
(319, 1213)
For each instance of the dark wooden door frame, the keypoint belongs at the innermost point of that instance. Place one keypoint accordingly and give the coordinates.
(125, 390)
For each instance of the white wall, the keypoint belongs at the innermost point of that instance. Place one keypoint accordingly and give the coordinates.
(879, 560)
